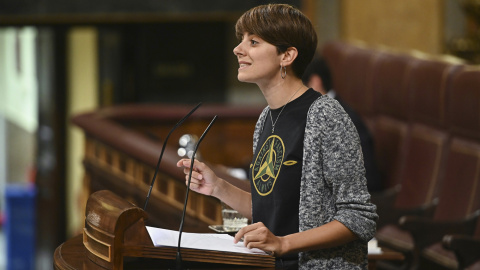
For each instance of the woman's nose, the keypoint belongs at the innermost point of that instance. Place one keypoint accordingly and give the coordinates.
(237, 50)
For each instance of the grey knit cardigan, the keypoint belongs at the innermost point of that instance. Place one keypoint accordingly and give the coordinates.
(333, 185)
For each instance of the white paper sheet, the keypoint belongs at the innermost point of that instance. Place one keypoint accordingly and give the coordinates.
(211, 241)
(206, 241)
(373, 247)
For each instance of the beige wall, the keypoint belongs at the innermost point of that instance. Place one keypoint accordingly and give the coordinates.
(82, 96)
(400, 24)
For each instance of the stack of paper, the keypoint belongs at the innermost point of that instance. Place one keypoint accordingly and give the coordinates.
(207, 241)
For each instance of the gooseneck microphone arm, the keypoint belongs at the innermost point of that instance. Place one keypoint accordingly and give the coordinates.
(179, 256)
(163, 149)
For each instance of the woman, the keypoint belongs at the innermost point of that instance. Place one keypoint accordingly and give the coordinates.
(309, 204)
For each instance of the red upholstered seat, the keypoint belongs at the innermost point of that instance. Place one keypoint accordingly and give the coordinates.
(459, 198)
(390, 84)
(424, 115)
(428, 85)
(464, 103)
(439, 254)
(419, 170)
(420, 178)
(390, 74)
(466, 249)
(335, 54)
(390, 135)
(458, 207)
(358, 75)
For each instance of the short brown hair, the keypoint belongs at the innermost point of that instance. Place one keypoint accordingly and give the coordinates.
(283, 26)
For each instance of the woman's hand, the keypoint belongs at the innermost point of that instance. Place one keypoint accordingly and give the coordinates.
(203, 181)
(258, 236)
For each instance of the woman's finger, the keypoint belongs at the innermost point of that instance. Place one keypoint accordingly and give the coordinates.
(193, 186)
(245, 230)
(183, 162)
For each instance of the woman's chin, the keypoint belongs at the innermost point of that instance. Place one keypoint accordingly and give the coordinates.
(241, 78)
(245, 79)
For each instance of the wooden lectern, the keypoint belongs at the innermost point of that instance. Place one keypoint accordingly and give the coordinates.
(115, 229)
(115, 237)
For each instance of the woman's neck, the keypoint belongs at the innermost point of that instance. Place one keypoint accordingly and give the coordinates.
(283, 92)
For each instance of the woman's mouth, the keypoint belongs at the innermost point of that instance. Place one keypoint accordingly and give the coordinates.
(243, 65)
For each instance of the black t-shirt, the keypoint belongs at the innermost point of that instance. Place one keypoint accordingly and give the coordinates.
(276, 169)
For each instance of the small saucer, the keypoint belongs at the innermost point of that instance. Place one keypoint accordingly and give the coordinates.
(222, 229)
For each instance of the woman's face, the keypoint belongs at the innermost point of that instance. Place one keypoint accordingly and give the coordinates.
(259, 61)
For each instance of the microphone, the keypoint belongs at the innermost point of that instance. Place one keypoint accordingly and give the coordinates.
(163, 149)
(179, 255)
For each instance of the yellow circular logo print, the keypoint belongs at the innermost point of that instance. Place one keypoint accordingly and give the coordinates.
(267, 165)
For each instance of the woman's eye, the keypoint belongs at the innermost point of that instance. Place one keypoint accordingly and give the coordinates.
(253, 42)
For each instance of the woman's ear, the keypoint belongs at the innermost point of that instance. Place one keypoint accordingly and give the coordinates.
(289, 56)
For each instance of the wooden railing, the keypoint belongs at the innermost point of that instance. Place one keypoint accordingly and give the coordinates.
(123, 145)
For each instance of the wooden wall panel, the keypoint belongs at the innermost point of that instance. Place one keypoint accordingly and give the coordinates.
(400, 24)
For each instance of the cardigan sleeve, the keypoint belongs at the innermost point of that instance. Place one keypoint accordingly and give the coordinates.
(344, 187)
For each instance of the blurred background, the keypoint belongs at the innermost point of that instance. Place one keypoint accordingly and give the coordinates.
(61, 58)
